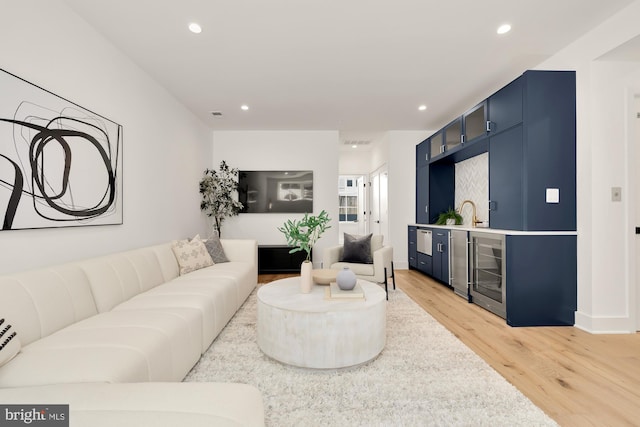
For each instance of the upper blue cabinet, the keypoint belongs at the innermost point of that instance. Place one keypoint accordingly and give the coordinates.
(529, 130)
(476, 123)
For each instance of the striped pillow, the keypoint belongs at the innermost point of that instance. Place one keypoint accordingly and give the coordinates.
(9, 342)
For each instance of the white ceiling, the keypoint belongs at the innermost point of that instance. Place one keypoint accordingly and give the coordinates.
(349, 65)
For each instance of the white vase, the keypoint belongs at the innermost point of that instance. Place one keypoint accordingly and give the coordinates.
(346, 279)
(306, 277)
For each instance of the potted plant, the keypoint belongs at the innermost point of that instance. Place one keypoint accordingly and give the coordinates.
(217, 189)
(303, 235)
(449, 217)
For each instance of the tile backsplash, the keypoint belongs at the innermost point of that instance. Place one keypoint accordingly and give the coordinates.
(472, 183)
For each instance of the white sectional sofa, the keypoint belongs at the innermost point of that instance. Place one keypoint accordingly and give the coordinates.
(96, 332)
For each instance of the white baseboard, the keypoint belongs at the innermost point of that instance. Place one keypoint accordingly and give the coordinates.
(604, 325)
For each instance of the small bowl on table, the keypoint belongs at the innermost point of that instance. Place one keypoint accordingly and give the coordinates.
(324, 276)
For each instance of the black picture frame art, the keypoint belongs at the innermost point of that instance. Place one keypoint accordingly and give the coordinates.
(276, 191)
(60, 164)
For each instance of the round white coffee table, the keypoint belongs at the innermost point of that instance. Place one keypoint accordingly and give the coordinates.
(309, 331)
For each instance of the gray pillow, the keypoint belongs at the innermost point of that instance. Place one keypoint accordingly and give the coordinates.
(215, 249)
(357, 249)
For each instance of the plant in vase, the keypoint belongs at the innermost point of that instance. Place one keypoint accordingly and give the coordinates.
(217, 189)
(449, 217)
(303, 235)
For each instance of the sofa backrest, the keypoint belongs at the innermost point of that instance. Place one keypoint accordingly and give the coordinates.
(118, 277)
(40, 302)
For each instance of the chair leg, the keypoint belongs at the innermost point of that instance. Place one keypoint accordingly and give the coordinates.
(386, 291)
(393, 275)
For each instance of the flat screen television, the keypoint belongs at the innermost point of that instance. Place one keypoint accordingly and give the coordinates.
(276, 191)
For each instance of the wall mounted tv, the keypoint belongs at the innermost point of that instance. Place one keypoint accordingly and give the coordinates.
(276, 191)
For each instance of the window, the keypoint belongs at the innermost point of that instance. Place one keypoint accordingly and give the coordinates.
(348, 199)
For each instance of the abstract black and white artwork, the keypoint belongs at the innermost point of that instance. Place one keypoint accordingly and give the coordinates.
(60, 164)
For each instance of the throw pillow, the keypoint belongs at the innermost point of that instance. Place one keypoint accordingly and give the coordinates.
(357, 249)
(9, 342)
(191, 254)
(215, 249)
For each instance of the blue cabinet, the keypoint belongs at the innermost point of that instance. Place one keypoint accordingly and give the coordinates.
(425, 263)
(505, 180)
(475, 123)
(422, 195)
(436, 145)
(530, 134)
(422, 154)
(506, 107)
(422, 182)
(532, 151)
(413, 247)
(440, 255)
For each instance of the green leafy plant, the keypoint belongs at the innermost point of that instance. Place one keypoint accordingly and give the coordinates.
(218, 189)
(304, 233)
(449, 214)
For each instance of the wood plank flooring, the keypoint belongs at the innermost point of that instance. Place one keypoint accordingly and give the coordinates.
(577, 378)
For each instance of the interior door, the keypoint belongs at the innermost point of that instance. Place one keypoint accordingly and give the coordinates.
(637, 206)
(362, 208)
(379, 217)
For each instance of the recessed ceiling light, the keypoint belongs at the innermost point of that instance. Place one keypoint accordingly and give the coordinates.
(195, 28)
(354, 146)
(422, 107)
(244, 107)
(504, 28)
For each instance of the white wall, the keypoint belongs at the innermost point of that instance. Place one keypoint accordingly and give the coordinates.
(165, 147)
(282, 150)
(606, 282)
(402, 190)
(354, 162)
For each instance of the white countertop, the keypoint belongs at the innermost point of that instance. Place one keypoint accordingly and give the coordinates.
(498, 231)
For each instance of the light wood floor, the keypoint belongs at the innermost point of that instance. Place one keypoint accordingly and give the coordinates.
(577, 378)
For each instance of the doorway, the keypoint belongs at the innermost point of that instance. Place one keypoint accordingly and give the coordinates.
(352, 202)
(379, 207)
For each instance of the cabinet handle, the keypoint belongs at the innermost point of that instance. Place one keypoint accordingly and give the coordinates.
(441, 149)
(461, 139)
(426, 156)
(488, 126)
(426, 209)
(493, 205)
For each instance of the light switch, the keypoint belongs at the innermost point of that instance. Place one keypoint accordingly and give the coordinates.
(616, 194)
(553, 195)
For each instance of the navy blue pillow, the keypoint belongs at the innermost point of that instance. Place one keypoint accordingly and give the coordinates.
(357, 249)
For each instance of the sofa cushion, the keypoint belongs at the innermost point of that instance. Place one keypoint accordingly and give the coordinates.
(357, 249)
(157, 404)
(117, 346)
(215, 249)
(9, 342)
(191, 254)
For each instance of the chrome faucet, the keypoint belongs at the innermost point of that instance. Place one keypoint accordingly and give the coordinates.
(474, 218)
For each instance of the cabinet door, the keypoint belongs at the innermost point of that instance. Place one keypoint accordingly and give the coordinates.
(441, 255)
(505, 107)
(505, 180)
(453, 134)
(422, 195)
(436, 145)
(422, 154)
(474, 123)
(413, 248)
(425, 263)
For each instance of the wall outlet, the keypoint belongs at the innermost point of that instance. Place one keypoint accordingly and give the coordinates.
(616, 194)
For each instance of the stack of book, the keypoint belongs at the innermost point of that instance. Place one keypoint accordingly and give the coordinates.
(333, 292)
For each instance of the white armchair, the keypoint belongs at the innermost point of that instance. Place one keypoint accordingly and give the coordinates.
(379, 271)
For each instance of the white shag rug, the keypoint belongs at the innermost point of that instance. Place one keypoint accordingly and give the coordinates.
(424, 376)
